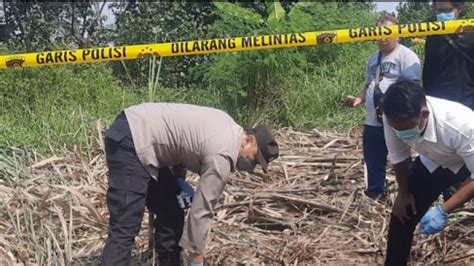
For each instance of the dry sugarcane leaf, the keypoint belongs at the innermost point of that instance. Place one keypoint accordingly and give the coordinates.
(290, 215)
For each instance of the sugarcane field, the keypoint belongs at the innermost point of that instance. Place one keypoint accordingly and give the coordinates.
(237, 133)
(308, 210)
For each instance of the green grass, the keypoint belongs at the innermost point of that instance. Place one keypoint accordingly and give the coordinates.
(53, 108)
(47, 109)
(58, 106)
(315, 100)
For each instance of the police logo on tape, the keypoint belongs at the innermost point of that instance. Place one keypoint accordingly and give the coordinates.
(326, 37)
(464, 28)
(14, 61)
(147, 52)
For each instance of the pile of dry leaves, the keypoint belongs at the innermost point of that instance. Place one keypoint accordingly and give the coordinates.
(309, 209)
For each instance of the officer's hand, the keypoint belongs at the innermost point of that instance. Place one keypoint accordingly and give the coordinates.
(184, 186)
(402, 203)
(433, 221)
(186, 195)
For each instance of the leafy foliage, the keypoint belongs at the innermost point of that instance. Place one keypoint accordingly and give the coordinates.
(57, 105)
(154, 22)
(35, 26)
(299, 87)
(267, 83)
(414, 11)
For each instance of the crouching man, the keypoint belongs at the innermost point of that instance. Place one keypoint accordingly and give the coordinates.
(443, 133)
(148, 149)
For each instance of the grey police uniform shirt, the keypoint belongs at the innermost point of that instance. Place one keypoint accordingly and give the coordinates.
(203, 140)
(401, 62)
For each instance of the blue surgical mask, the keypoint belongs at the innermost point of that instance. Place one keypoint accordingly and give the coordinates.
(409, 134)
(446, 16)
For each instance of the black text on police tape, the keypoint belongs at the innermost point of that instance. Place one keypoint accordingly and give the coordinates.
(229, 44)
(85, 55)
(387, 31)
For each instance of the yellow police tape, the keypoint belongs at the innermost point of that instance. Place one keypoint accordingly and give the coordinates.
(235, 44)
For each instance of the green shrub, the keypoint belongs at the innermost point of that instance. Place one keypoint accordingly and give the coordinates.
(300, 87)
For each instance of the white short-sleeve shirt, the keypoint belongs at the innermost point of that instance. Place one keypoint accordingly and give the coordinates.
(401, 62)
(448, 140)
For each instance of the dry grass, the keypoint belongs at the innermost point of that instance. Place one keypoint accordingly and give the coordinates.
(309, 209)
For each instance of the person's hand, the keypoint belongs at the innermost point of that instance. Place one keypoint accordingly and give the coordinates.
(351, 101)
(433, 221)
(185, 186)
(186, 195)
(403, 201)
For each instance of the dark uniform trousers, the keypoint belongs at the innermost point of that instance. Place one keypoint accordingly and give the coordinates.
(426, 188)
(131, 188)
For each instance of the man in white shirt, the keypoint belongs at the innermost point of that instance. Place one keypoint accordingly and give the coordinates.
(443, 132)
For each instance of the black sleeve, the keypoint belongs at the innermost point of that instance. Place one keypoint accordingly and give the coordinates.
(427, 73)
(467, 44)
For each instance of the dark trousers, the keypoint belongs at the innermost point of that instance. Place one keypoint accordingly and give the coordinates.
(375, 156)
(426, 188)
(131, 188)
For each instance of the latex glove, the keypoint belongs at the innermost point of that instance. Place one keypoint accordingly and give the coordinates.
(195, 264)
(185, 197)
(433, 221)
(184, 186)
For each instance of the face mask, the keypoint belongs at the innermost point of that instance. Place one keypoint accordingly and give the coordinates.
(409, 133)
(446, 16)
(245, 164)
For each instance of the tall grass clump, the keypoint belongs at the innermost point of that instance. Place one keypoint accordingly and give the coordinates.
(59, 106)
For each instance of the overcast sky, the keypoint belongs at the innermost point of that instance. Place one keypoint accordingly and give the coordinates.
(387, 5)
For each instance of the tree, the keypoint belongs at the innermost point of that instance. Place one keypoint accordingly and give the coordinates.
(34, 26)
(156, 22)
(412, 11)
(83, 23)
(259, 81)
